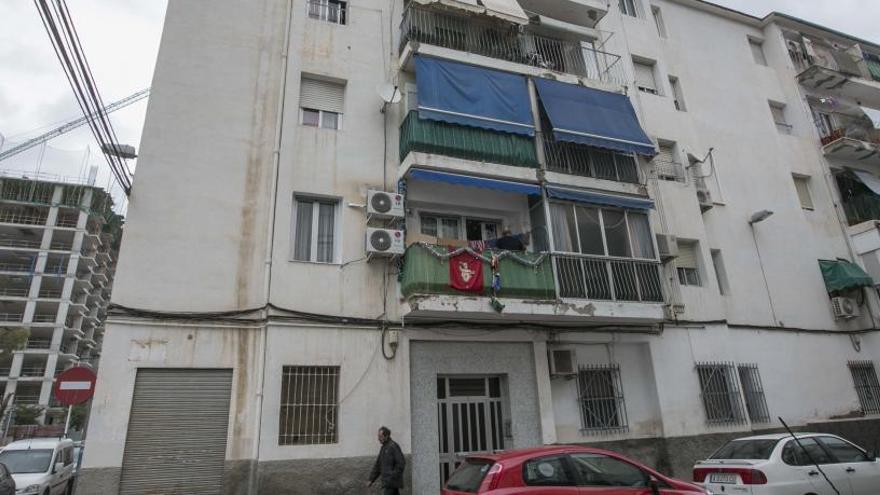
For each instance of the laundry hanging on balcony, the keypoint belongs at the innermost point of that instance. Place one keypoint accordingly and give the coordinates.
(841, 275)
(596, 198)
(472, 96)
(471, 181)
(592, 117)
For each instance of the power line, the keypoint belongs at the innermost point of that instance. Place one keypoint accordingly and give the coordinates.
(65, 41)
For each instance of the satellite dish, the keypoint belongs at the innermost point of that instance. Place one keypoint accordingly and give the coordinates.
(389, 93)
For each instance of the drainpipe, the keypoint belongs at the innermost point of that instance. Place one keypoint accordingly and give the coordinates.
(253, 485)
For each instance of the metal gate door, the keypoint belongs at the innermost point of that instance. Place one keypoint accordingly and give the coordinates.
(470, 419)
(176, 442)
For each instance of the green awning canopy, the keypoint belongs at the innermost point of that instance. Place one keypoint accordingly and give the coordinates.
(842, 275)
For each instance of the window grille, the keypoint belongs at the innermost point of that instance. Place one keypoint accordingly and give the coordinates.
(720, 393)
(753, 389)
(867, 387)
(600, 394)
(309, 405)
(333, 11)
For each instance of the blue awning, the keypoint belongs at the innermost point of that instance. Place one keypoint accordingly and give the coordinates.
(468, 95)
(592, 117)
(600, 199)
(468, 180)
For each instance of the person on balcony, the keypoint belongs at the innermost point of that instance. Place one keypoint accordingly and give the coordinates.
(510, 242)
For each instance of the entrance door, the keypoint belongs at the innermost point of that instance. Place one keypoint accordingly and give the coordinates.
(470, 419)
(176, 440)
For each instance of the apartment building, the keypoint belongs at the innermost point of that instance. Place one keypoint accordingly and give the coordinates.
(312, 248)
(58, 242)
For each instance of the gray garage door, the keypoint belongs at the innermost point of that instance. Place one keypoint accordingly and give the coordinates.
(176, 441)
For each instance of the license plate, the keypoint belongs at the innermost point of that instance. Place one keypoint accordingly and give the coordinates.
(722, 478)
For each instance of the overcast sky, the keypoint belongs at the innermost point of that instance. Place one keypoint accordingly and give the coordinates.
(121, 40)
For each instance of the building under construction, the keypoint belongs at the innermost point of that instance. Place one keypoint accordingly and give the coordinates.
(58, 243)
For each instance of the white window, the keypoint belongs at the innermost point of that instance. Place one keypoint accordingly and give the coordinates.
(315, 229)
(630, 7)
(645, 81)
(757, 47)
(321, 103)
(334, 11)
(802, 184)
(777, 110)
(601, 231)
(658, 21)
(720, 272)
(687, 263)
(444, 227)
(677, 95)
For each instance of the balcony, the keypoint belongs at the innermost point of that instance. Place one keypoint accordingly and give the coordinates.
(586, 161)
(38, 344)
(21, 218)
(469, 143)
(849, 73)
(32, 372)
(590, 289)
(502, 41)
(852, 140)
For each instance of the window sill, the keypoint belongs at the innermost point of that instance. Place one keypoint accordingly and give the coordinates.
(321, 263)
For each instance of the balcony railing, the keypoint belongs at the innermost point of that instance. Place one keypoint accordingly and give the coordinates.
(38, 344)
(426, 273)
(469, 143)
(667, 170)
(28, 399)
(11, 317)
(22, 218)
(14, 291)
(32, 371)
(506, 42)
(16, 267)
(587, 277)
(44, 318)
(578, 159)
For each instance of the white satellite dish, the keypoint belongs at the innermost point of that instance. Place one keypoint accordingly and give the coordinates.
(389, 93)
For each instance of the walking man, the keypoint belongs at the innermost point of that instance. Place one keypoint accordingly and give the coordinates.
(389, 465)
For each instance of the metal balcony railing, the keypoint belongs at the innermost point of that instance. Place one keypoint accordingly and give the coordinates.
(16, 267)
(50, 318)
(27, 399)
(11, 317)
(20, 243)
(846, 126)
(22, 218)
(578, 159)
(609, 279)
(508, 42)
(32, 371)
(50, 293)
(325, 11)
(38, 344)
(14, 291)
(66, 222)
(666, 170)
(5, 371)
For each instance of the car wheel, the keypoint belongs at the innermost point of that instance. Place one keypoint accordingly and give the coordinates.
(47, 492)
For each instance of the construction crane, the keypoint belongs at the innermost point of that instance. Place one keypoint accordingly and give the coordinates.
(73, 124)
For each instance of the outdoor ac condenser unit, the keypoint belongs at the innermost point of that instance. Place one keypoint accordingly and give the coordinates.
(667, 246)
(845, 308)
(385, 242)
(381, 204)
(562, 362)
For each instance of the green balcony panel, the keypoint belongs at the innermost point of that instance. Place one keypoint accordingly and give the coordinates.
(469, 143)
(426, 274)
(874, 68)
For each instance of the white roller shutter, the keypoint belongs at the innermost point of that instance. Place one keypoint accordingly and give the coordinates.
(508, 10)
(645, 76)
(322, 95)
(665, 154)
(802, 184)
(687, 255)
(176, 441)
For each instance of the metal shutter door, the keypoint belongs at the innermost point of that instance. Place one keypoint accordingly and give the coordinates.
(176, 442)
(321, 95)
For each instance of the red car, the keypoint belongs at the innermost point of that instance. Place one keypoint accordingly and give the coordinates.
(561, 470)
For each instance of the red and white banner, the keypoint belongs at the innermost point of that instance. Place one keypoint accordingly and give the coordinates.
(466, 273)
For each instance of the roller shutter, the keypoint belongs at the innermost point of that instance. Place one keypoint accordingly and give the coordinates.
(176, 442)
(322, 95)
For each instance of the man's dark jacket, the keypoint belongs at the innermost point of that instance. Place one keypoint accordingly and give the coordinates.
(389, 465)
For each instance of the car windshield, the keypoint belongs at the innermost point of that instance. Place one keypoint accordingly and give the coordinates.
(469, 475)
(746, 449)
(26, 461)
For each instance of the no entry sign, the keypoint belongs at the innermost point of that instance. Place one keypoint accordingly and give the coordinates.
(75, 386)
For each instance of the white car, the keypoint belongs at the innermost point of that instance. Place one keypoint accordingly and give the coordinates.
(778, 465)
(40, 466)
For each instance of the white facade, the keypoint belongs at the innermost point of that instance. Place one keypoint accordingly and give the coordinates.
(233, 165)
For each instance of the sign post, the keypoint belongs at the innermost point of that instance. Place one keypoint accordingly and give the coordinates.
(72, 387)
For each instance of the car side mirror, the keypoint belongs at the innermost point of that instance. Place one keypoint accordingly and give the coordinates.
(58, 467)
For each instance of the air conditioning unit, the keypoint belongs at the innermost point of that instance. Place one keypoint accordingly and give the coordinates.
(704, 197)
(385, 242)
(667, 246)
(845, 308)
(562, 362)
(381, 204)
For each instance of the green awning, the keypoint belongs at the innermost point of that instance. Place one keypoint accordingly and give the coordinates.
(842, 275)
(874, 69)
